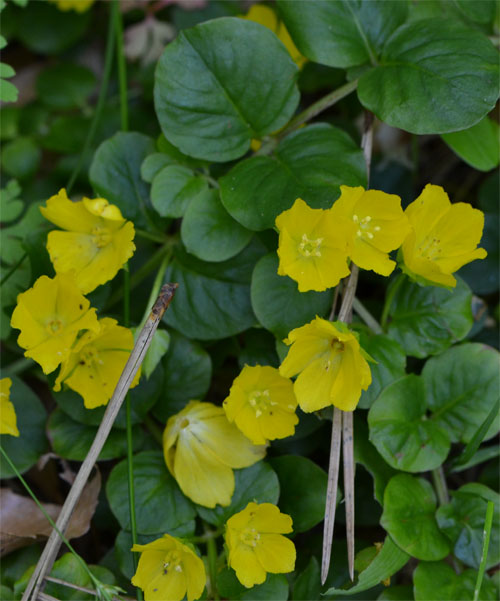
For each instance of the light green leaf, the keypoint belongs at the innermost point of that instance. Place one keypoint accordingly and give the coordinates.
(159, 346)
(311, 163)
(479, 145)
(173, 188)
(222, 83)
(153, 164)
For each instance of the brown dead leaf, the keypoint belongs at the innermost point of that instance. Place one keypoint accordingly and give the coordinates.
(22, 523)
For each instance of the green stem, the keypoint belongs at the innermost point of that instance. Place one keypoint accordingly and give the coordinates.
(389, 298)
(207, 536)
(48, 518)
(440, 485)
(212, 563)
(13, 269)
(319, 106)
(17, 367)
(122, 68)
(108, 61)
(486, 543)
(161, 238)
(366, 316)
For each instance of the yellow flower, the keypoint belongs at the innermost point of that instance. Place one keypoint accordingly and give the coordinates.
(50, 315)
(262, 404)
(97, 243)
(79, 6)
(379, 226)
(313, 246)
(330, 363)
(96, 362)
(201, 448)
(256, 545)
(264, 15)
(8, 421)
(168, 569)
(444, 237)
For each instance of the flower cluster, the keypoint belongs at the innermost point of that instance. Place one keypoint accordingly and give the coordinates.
(58, 326)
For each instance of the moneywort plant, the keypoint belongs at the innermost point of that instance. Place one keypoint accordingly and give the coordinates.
(314, 175)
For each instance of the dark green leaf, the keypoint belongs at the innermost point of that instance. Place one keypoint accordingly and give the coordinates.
(115, 172)
(426, 320)
(480, 456)
(438, 581)
(402, 592)
(478, 145)
(400, 430)
(275, 587)
(188, 371)
(480, 12)
(67, 134)
(159, 504)
(24, 450)
(278, 304)
(435, 76)
(173, 188)
(308, 583)
(213, 299)
(461, 389)
(209, 232)
(258, 483)
(72, 440)
(390, 365)
(409, 507)
(311, 163)
(387, 562)
(462, 520)
(342, 33)
(303, 490)
(21, 157)
(65, 86)
(222, 83)
(153, 164)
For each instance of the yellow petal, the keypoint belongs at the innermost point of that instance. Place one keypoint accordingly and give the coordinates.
(171, 586)
(267, 518)
(8, 420)
(313, 385)
(197, 577)
(248, 569)
(68, 215)
(276, 553)
(368, 257)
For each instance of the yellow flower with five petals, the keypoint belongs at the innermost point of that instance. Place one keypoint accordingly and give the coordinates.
(169, 569)
(256, 544)
(202, 448)
(444, 237)
(262, 404)
(50, 316)
(8, 420)
(331, 365)
(379, 226)
(313, 246)
(96, 362)
(97, 242)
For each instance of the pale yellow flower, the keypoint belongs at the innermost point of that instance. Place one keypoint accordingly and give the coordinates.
(8, 420)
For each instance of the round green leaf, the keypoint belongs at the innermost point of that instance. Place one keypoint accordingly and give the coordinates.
(209, 232)
(435, 76)
(159, 503)
(173, 189)
(400, 430)
(461, 388)
(409, 507)
(21, 157)
(438, 581)
(462, 520)
(72, 440)
(188, 371)
(45, 29)
(142, 398)
(296, 473)
(222, 83)
(390, 365)
(153, 164)
(115, 172)
(426, 320)
(24, 450)
(342, 33)
(217, 294)
(311, 163)
(65, 86)
(278, 304)
(479, 145)
(258, 483)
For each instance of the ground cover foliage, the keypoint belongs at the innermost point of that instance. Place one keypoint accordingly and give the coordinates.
(202, 127)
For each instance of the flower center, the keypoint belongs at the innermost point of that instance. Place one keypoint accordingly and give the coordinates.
(430, 248)
(310, 248)
(365, 227)
(172, 561)
(54, 326)
(88, 355)
(101, 236)
(250, 537)
(260, 401)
